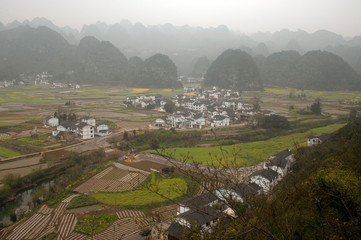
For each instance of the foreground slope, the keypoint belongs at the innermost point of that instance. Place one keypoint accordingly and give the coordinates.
(319, 199)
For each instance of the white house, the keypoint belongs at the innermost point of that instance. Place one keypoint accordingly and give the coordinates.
(198, 211)
(265, 178)
(280, 162)
(161, 122)
(219, 121)
(84, 130)
(237, 192)
(103, 129)
(89, 120)
(314, 140)
(51, 121)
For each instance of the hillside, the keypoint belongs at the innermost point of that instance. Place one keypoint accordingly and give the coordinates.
(29, 50)
(158, 71)
(315, 70)
(26, 50)
(318, 199)
(234, 69)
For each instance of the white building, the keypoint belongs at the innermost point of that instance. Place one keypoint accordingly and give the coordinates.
(315, 140)
(103, 129)
(89, 120)
(51, 121)
(84, 130)
(265, 178)
(220, 121)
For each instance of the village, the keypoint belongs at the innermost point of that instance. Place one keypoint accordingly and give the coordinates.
(39, 79)
(86, 128)
(198, 108)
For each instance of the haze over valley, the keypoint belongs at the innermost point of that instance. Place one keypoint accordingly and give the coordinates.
(192, 120)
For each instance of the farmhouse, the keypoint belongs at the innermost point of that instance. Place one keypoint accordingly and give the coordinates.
(88, 120)
(103, 129)
(51, 121)
(82, 129)
(237, 192)
(280, 162)
(314, 140)
(265, 178)
(219, 121)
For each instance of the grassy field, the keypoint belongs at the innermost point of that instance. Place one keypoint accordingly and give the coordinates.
(245, 154)
(170, 188)
(332, 95)
(155, 192)
(8, 153)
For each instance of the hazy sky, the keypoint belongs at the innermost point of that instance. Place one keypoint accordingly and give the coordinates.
(340, 16)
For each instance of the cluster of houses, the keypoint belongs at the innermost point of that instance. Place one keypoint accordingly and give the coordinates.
(207, 209)
(43, 78)
(211, 107)
(85, 129)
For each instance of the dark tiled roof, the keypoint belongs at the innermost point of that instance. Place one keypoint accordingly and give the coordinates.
(266, 173)
(279, 162)
(86, 118)
(244, 189)
(104, 122)
(254, 186)
(81, 125)
(200, 216)
(175, 230)
(283, 154)
(200, 200)
(67, 125)
(219, 117)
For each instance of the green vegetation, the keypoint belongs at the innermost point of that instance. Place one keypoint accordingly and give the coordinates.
(8, 153)
(153, 192)
(244, 154)
(81, 201)
(91, 225)
(234, 69)
(317, 70)
(6, 127)
(319, 199)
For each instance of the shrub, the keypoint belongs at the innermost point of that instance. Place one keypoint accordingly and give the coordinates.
(81, 201)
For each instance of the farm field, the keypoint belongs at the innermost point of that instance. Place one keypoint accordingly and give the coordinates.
(21, 167)
(245, 154)
(8, 153)
(111, 179)
(172, 188)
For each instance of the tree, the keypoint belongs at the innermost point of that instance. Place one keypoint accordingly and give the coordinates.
(275, 121)
(256, 104)
(316, 107)
(353, 115)
(125, 136)
(169, 107)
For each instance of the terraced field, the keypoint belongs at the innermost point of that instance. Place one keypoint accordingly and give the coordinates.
(112, 179)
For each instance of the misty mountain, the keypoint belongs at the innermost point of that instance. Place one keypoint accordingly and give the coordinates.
(100, 60)
(157, 71)
(315, 70)
(186, 44)
(358, 66)
(234, 69)
(200, 67)
(29, 50)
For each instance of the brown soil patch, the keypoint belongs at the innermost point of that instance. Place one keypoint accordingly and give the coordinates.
(56, 155)
(145, 165)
